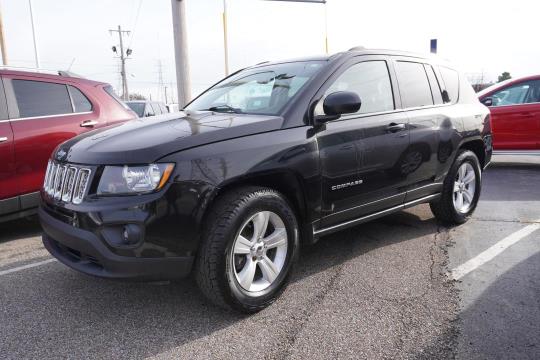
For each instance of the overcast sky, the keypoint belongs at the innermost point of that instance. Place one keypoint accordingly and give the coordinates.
(479, 36)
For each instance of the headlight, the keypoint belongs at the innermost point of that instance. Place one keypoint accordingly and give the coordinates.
(133, 179)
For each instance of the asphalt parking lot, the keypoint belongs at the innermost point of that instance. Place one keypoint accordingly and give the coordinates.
(385, 289)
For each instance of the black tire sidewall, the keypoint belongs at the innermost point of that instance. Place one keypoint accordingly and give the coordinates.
(267, 201)
(464, 157)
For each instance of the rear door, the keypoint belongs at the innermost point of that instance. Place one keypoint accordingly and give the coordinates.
(429, 122)
(359, 151)
(43, 114)
(8, 189)
(515, 116)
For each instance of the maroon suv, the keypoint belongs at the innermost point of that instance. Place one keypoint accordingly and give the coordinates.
(37, 112)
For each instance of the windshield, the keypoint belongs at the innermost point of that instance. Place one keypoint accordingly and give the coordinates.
(263, 90)
(137, 107)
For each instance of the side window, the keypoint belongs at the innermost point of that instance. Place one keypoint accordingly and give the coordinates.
(3, 102)
(149, 110)
(157, 108)
(371, 81)
(413, 84)
(434, 84)
(451, 82)
(38, 98)
(515, 94)
(163, 107)
(80, 101)
(534, 93)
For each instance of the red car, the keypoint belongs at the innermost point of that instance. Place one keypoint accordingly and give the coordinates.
(515, 115)
(38, 111)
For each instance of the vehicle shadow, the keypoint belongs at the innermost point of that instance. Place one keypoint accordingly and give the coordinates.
(356, 241)
(20, 229)
(133, 320)
(503, 322)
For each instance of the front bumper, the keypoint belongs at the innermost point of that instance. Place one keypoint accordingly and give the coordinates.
(84, 251)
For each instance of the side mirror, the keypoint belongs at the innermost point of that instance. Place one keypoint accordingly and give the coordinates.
(337, 104)
(487, 101)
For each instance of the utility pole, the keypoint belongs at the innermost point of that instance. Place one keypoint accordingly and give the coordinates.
(166, 102)
(36, 54)
(123, 57)
(181, 52)
(2, 41)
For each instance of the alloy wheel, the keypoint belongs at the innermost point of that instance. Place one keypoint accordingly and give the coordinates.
(464, 188)
(259, 251)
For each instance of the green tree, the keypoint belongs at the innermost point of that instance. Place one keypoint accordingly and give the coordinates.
(504, 76)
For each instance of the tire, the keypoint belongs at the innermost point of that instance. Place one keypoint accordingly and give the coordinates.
(225, 261)
(447, 208)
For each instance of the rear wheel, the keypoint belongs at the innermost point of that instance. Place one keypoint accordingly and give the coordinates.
(248, 249)
(461, 190)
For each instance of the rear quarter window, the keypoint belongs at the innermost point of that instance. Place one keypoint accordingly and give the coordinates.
(80, 101)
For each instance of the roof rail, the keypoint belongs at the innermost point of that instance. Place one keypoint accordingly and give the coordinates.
(41, 71)
(357, 48)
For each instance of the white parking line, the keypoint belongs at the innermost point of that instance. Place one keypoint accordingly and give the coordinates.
(493, 251)
(27, 266)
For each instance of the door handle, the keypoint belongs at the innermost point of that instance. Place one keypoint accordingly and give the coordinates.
(393, 127)
(2, 139)
(527, 114)
(89, 123)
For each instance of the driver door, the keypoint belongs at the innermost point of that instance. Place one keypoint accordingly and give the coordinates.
(359, 153)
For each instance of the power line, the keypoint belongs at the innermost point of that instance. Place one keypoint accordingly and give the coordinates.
(135, 24)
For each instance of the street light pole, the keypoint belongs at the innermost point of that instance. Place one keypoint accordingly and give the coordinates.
(326, 28)
(225, 38)
(181, 52)
(2, 41)
(36, 54)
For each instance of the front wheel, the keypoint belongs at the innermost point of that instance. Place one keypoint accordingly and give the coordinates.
(248, 249)
(461, 190)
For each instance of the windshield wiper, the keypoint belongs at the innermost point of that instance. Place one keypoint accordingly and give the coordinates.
(225, 108)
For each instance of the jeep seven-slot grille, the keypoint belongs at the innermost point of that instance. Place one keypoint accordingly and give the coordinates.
(66, 182)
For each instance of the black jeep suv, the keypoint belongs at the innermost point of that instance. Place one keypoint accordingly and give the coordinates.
(273, 156)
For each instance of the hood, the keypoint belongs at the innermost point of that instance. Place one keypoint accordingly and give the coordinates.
(145, 140)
